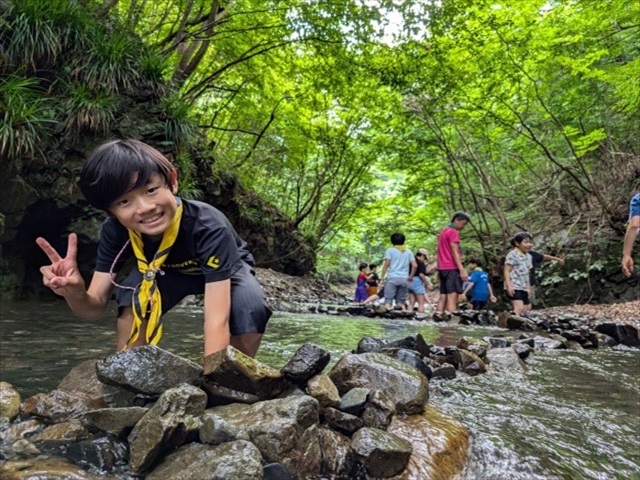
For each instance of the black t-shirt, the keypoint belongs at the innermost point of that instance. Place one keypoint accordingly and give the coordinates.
(422, 268)
(207, 244)
(536, 261)
(373, 280)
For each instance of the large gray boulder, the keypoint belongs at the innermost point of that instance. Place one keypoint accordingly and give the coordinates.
(406, 386)
(148, 370)
(172, 421)
(9, 401)
(383, 454)
(285, 430)
(237, 460)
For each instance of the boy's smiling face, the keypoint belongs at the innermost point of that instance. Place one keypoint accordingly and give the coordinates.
(149, 209)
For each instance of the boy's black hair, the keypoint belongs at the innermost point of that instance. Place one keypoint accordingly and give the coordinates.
(119, 166)
(460, 216)
(476, 262)
(519, 237)
(397, 239)
(372, 266)
(361, 266)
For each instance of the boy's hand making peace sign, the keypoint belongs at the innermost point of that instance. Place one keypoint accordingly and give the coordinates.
(62, 276)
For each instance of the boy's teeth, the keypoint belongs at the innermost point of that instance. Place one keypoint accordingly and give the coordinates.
(152, 219)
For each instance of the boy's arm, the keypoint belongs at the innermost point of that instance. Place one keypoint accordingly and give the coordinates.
(455, 249)
(217, 308)
(492, 297)
(385, 266)
(63, 277)
(629, 240)
(507, 279)
(414, 268)
(546, 257)
(469, 287)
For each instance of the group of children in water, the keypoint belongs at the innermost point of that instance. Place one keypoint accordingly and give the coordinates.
(411, 286)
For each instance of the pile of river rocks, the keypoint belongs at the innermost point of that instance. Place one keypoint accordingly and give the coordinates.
(147, 413)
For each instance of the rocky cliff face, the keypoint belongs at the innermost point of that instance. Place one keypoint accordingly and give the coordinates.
(40, 197)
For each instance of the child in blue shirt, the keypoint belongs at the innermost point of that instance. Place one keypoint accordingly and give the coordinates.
(478, 289)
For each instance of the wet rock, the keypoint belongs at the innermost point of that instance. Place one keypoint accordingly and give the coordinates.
(44, 468)
(409, 343)
(103, 454)
(9, 401)
(116, 421)
(277, 471)
(522, 350)
(284, 430)
(322, 388)
(354, 400)
(341, 421)
(379, 411)
(15, 431)
(411, 357)
(370, 344)
(515, 322)
(58, 406)
(506, 360)
(216, 430)
(339, 461)
(404, 384)
(309, 360)
(470, 363)
(231, 375)
(604, 339)
(148, 370)
(497, 342)
(61, 433)
(172, 421)
(440, 445)
(422, 347)
(548, 343)
(624, 334)
(237, 460)
(446, 371)
(83, 378)
(382, 454)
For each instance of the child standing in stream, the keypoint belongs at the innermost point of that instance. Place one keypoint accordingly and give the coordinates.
(181, 247)
(516, 273)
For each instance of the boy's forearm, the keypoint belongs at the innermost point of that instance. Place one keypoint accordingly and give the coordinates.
(630, 236)
(86, 306)
(458, 259)
(217, 309)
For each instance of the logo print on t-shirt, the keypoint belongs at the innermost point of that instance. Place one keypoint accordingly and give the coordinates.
(213, 262)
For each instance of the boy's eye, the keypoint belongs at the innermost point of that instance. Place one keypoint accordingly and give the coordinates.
(152, 189)
(121, 203)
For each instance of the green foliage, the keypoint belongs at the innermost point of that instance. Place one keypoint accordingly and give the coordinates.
(25, 117)
(86, 111)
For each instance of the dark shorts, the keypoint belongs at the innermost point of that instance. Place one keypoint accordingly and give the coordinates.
(450, 281)
(478, 305)
(521, 295)
(249, 310)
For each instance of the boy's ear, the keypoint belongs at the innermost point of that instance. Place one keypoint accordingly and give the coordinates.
(174, 181)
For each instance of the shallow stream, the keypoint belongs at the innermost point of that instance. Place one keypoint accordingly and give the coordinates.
(574, 415)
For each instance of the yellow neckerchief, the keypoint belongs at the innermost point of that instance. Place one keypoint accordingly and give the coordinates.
(147, 303)
(402, 248)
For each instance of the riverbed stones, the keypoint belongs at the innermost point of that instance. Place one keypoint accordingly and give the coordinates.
(216, 430)
(9, 401)
(341, 421)
(61, 433)
(309, 360)
(408, 388)
(379, 410)
(103, 454)
(354, 400)
(58, 406)
(44, 467)
(232, 376)
(624, 334)
(338, 458)
(83, 378)
(238, 460)
(284, 430)
(173, 420)
(470, 363)
(383, 454)
(114, 420)
(148, 370)
(322, 388)
(506, 360)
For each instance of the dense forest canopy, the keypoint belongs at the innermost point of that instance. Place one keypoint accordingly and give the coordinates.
(356, 118)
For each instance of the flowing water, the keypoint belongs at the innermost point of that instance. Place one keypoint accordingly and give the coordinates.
(573, 415)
